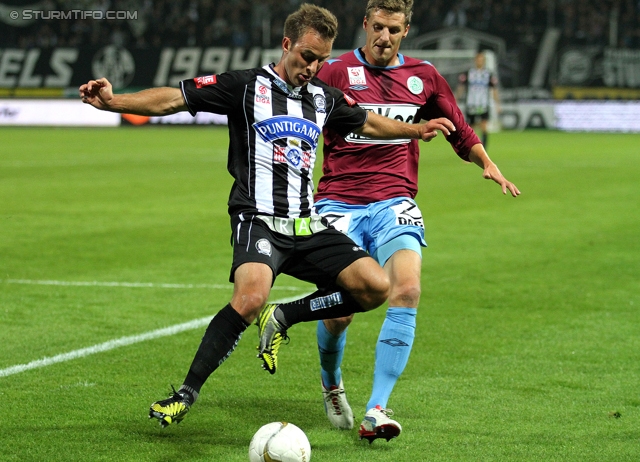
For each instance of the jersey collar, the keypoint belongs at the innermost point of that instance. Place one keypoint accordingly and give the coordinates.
(360, 57)
(293, 92)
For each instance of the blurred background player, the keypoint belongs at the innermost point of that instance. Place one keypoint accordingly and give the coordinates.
(368, 189)
(478, 85)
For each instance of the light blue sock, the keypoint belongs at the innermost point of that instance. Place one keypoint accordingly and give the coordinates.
(392, 352)
(331, 349)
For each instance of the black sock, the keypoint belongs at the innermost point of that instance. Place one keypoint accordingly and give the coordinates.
(219, 341)
(322, 304)
(485, 139)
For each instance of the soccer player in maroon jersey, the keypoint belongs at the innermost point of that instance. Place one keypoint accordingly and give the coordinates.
(367, 190)
(276, 114)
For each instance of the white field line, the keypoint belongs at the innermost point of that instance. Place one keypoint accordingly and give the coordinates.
(117, 343)
(133, 284)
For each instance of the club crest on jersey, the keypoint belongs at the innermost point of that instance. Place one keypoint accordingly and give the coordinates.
(415, 85)
(279, 127)
(204, 81)
(356, 75)
(320, 103)
(264, 247)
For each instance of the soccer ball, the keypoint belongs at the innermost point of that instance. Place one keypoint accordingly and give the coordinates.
(279, 442)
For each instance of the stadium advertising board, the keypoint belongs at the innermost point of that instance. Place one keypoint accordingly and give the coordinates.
(65, 67)
(606, 116)
(598, 67)
(54, 113)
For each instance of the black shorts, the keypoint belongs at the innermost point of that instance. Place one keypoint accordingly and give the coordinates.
(317, 257)
(476, 118)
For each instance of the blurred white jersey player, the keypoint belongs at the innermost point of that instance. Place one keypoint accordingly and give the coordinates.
(480, 85)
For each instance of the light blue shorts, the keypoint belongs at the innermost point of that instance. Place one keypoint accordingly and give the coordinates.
(381, 228)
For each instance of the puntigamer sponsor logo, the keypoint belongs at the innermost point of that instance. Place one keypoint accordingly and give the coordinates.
(279, 127)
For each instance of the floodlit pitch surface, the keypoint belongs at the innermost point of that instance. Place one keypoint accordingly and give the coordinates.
(528, 339)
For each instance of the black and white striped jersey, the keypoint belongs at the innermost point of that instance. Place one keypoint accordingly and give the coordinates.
(274, 131)
(479, 83)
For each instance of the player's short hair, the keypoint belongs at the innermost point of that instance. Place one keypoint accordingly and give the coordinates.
(313, 17)
(391, 6)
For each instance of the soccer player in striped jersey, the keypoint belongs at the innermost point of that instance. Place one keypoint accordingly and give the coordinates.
(479, 85)
(276, 115)
(367, 190)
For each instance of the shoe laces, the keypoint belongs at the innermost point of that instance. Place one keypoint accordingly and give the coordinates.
(330, 396)
(279, 337)
(387, 412)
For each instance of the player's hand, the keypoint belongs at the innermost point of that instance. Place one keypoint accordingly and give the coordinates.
(430, 129)
(492, 172)
(97, 93)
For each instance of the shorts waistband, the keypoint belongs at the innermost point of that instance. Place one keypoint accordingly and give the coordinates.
(295, 226)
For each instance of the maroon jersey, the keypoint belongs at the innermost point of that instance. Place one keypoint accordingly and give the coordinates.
(359, 170)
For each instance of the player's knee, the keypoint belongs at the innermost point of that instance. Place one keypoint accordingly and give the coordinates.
(405, 294)
(249, 303)
(338, 325)
(376, 291)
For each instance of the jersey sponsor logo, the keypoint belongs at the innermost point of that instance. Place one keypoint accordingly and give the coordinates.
(292, 154)
(356, 75)
(350, 101)
(320, 103)
(263, 246)
(415, 85)
(205, 80)
(279, 127)
(408, 214)
(262, 96)
(338, 221)
(358, 87)
(401, 112)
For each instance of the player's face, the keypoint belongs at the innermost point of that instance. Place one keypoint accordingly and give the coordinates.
(479, 60)
(385, 31)
(302, 60)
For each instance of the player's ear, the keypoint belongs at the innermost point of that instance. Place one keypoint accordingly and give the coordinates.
(364, 23)
(286, 44)
(406, 31)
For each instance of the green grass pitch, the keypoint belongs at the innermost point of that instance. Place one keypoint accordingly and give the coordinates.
(528, 340)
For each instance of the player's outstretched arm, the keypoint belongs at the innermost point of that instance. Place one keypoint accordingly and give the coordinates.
(151, 102)
(490, 171)
(384, 128)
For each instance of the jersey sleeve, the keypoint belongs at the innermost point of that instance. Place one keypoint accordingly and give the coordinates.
(442, 103)
(214, 93)
(345, 115)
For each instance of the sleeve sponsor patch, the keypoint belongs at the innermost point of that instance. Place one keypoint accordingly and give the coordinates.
(205, 80)
(350, 100)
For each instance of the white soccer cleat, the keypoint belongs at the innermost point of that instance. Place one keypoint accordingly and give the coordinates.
(337, 407)
(377, 424)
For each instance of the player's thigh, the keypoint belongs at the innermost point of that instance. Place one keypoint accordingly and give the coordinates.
(254, 242)
(396, 224)
(347, 218)
(251, 287)
(321, 257)
(404, 269)
(366, 281)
